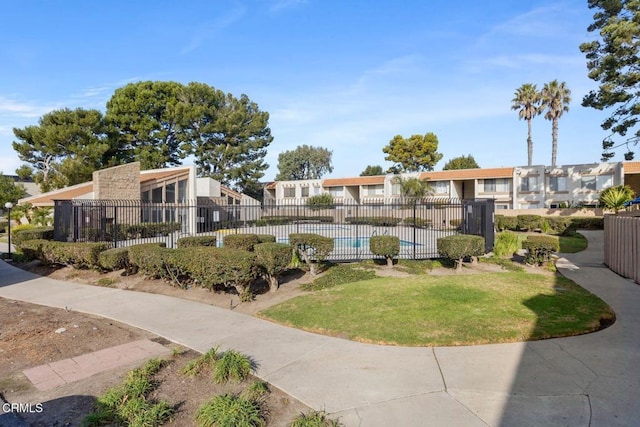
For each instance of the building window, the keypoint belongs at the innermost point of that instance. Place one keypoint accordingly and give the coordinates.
(170, 193)
(316, 190)
(441, 187)
(290, 192)
(598, 183)
(374, 190)
(557, 183)
(500, 185)
(182, 191)
(156, 195)
(304, 191)
(145, 196)
(395, 189)
(529, 183)
(336, 191)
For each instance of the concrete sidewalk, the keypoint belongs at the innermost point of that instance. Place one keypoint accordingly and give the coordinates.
(590, 380)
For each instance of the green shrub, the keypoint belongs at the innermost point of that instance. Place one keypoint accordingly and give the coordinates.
(256, 391)
(213, 268)
(273, 259)
(149, 229)
(282, 220)
(504, 223)
(540, 248)
(529, 222)
(266, 238)
(385, 246)
(460, 246)
(232, 365)
(207, 360)
(558, 224)
(44, 233)
(417, 222)
(321, 201)
(455, 223)
(311, 247)
(340, 274)
(185, 242)
(76, 254)
(19, 227)
(230, 410)
(146, 258)
(246, 242)
(314, 419)
(32, 249)
(506, 244)
(378, 221)
(588, 222)
(114, 259)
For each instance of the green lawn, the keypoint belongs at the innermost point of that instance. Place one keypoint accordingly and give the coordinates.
(447, 310)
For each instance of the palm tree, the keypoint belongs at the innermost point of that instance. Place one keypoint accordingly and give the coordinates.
(614, 198)
(412, 189)
(527, 102)
(555, 100)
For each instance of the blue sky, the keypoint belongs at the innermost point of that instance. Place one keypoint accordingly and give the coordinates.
(345, 75)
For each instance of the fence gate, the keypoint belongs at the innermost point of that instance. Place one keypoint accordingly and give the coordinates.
(478, 219)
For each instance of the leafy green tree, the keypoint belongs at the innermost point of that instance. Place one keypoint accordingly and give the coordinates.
(462, 162)
(613, 60)
(527, 102)
(372, 171)
(66, 147)
(305, 162)
(147, 120)
(417, 153)
(227, 136)
(412, 189)
(25, 172)
(555, 101)
(614, 198)
(9, 191)
(321, 201)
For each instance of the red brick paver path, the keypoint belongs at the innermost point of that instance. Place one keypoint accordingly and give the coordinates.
(51, 375)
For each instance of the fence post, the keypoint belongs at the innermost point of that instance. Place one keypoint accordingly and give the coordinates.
(415, 202)
(115, 226)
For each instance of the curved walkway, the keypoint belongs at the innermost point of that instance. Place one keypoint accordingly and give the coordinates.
(590, 380)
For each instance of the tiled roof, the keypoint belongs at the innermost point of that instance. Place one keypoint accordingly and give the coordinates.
(46, 199)
(631, 167)
(468, 174)
(270, 186)
(360, 180)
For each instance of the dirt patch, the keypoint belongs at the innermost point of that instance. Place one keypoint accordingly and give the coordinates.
(28, 338)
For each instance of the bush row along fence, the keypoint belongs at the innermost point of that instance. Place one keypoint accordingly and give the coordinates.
(622, 245)
(418, 224)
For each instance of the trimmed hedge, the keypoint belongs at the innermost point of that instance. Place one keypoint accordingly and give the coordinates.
(246, 242)
(215, 267)
(504, 223)
(378, 221)
(186, 242)
(529, 222)
(417, 222)
(311, 247)
(32, 249)
(559, 224)
(266, 238)
(273, 259)
(460, 246)
(76, 254)
(588, 222)
(114, 259)
(20, 236)
(540, 248)
(146, 257)
(385, 246)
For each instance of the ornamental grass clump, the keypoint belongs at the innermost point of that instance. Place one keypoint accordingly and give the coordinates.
(506, 244)
(461, 246)
(385, 246)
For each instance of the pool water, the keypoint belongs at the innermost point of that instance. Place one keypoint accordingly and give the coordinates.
(355, 242)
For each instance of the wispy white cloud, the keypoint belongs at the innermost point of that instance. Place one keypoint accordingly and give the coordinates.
(23, 109)
(207, 30)
(524, 60)
(278, 5)
(540, 22)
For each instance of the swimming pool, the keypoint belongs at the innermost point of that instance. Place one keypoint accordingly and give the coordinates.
(355, 242)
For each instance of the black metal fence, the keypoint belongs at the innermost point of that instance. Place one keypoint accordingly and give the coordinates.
(418, 224)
